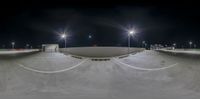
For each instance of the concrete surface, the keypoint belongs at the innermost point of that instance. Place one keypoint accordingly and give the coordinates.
(100, 79)
(99, 51)
(11, 52)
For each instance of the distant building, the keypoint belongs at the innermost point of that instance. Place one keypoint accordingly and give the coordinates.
(50, 47)
(170, 48)
(156, 46)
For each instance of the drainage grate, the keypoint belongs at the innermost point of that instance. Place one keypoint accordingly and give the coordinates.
(100, 59)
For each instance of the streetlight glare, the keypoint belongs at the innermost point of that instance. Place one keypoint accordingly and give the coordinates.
(63, 35)
(90, 36)
(131, 32)
(13, 43)
(190, 42)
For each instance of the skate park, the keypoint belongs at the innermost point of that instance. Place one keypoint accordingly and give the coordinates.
(85, 73)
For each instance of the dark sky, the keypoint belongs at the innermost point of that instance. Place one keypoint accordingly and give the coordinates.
(36, 22)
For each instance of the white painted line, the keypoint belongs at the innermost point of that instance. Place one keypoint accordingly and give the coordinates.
(145, 69)
(50, 72)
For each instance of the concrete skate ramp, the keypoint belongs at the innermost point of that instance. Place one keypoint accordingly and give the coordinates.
(100, 51)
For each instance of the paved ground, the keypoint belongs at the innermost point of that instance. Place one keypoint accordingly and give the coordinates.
(184, 51)
(138, 76)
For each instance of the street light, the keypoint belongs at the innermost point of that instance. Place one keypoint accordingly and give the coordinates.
(64, 36)
(90, 36)
(131, 32)
(190, 44)
(174, 45)
(13, 45)
(129, 38)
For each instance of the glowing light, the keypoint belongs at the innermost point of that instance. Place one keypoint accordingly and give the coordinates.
(131, 32)
(13, 43)
(63, 35)
(90, 36)
(190, 42)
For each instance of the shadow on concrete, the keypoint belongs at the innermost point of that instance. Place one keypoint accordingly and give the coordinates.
(14, 56)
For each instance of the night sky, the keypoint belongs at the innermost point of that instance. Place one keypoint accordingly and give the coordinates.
(107, 22)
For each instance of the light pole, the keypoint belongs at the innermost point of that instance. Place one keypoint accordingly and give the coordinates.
(64, 36)
(174, 45)
(190, 44)
(129, 39)
(13, 45)
(90, 39)
(143, 44)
